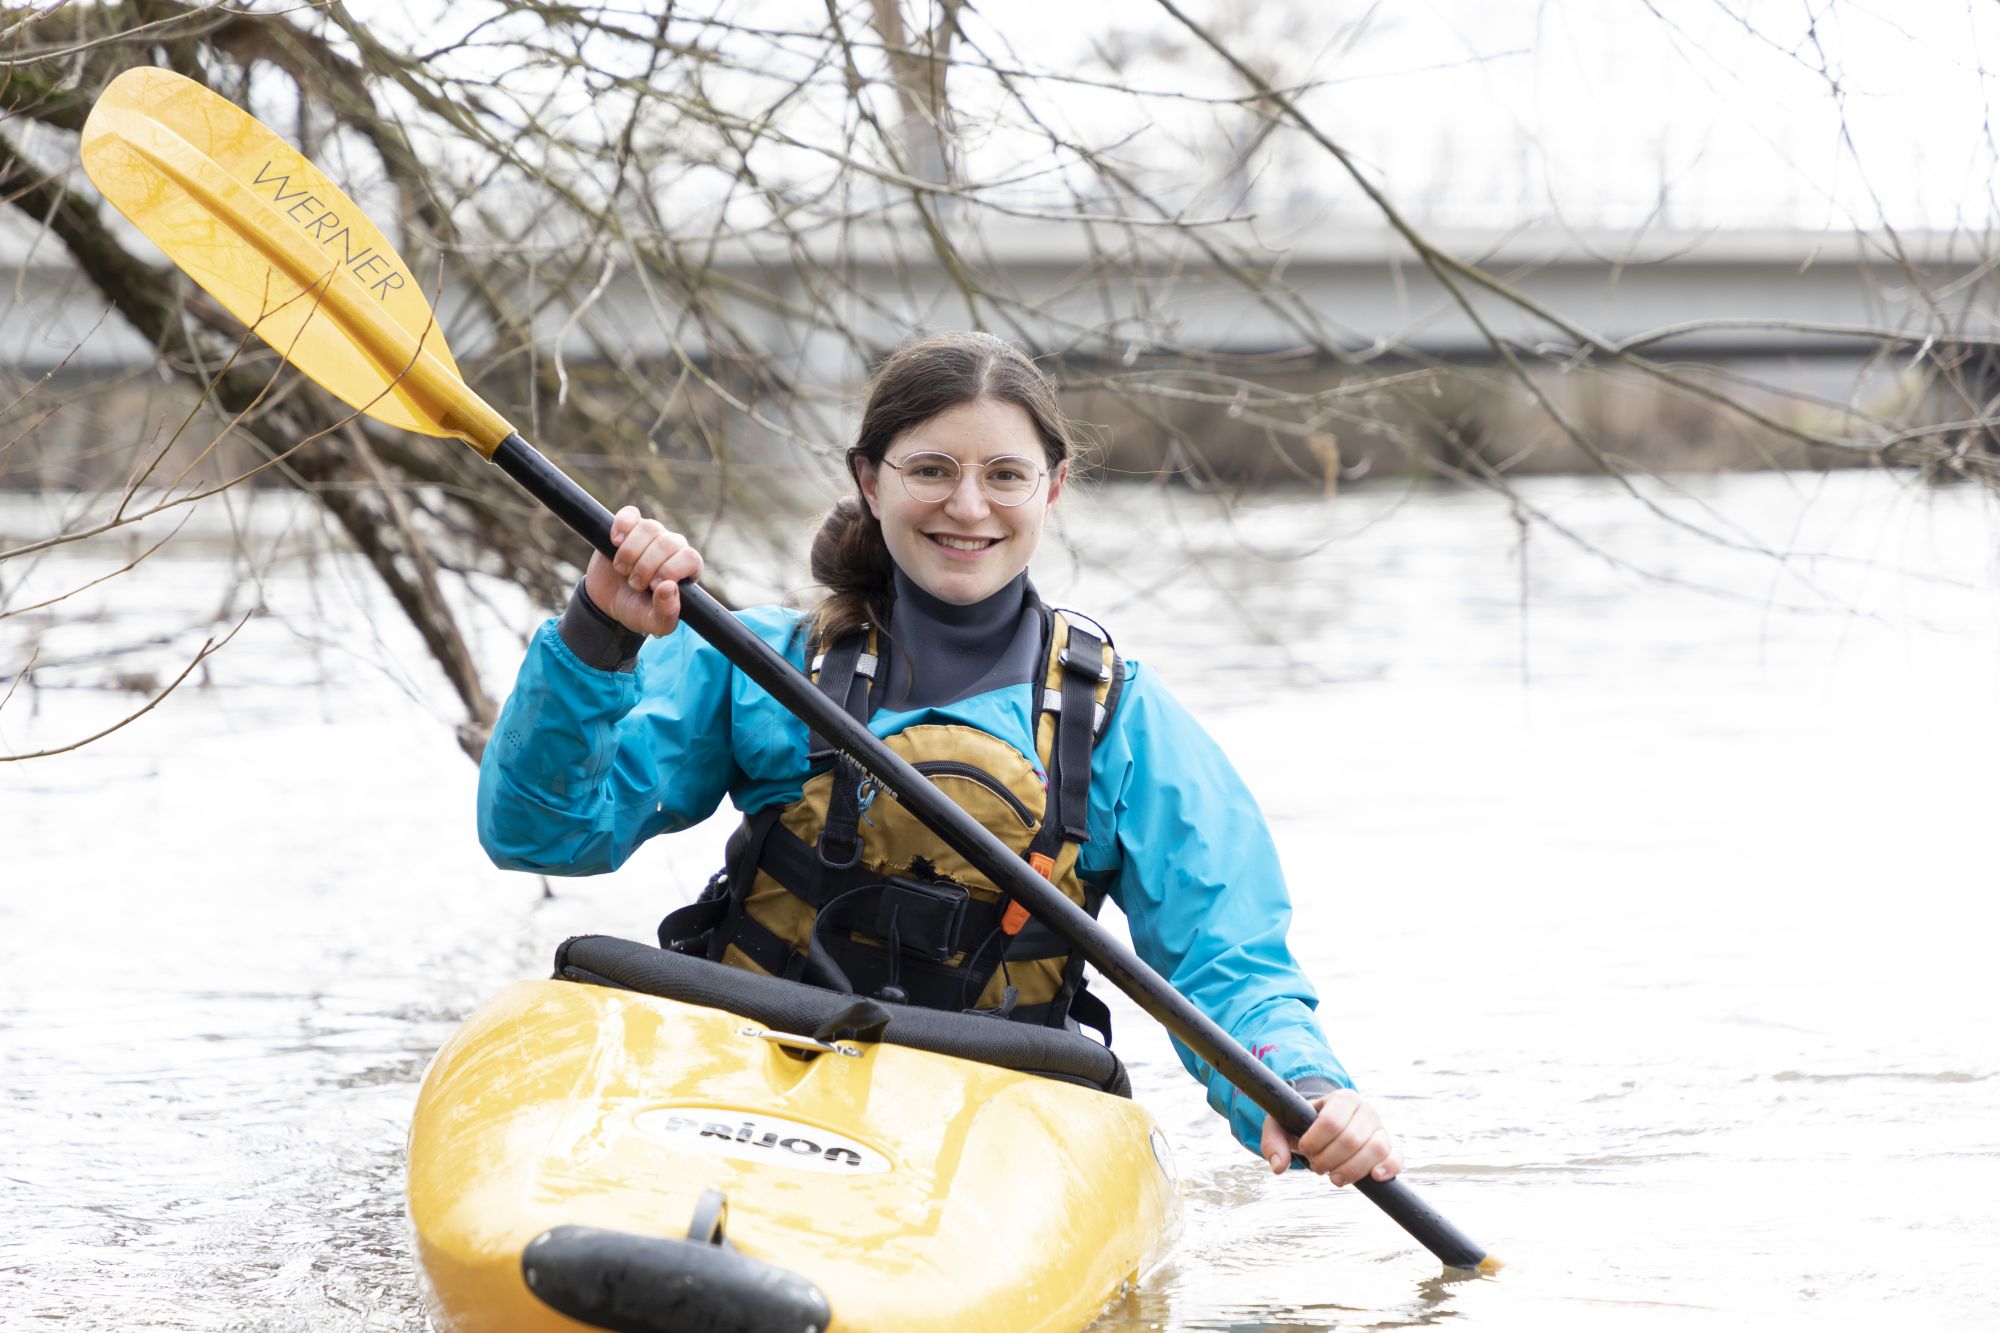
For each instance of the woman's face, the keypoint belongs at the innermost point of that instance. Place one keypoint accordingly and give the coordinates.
(964, 548)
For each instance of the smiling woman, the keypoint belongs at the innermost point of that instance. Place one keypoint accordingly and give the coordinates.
(951, 405)
(934, 638)
(960, 522)
(1047, 748)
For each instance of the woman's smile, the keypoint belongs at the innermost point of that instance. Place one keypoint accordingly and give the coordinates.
(964, 545)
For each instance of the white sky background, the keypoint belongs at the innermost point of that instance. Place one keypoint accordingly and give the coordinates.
(1687, 113)
(1679, 114)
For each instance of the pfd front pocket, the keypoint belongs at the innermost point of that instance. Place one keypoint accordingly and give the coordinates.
(923, 919)
(953, 768)
(903, 915)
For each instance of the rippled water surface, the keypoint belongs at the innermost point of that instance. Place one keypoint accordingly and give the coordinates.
(1647, 874)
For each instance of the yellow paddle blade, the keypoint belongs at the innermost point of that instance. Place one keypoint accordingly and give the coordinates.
(282, 248)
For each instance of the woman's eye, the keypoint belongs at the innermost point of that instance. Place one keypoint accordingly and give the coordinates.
(1008, 474)
(930, 472)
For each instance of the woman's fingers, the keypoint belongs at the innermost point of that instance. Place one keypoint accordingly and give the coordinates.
(639, 585)
(1339, 1114)
(650, 554)
(1337, 1158)
(1373, 1151)
(1348, 1141)
(651, 546)
(666, 606)
(638, 544)
(1390, 1166)
(669, 560)
(1276, 1146)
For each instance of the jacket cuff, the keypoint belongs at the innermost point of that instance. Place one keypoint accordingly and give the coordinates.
(1310, 1086)
(1314, 1085)
(595, 638)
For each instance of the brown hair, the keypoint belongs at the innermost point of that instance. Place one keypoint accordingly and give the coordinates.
(919, 380)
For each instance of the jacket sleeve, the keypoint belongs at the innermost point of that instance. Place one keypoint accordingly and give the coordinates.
(585, 764)
(1180, 845)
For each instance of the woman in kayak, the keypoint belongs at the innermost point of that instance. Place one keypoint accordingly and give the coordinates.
(618, 729)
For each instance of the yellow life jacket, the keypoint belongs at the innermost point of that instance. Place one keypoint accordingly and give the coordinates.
(845, 888)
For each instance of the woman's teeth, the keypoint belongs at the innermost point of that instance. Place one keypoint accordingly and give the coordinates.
(964, 543)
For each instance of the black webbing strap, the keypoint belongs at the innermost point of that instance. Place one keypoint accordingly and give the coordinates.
(1091, 1012)
(1110, 704)
(1071, 990)
(689, 929)
(1067, 812)
(1083, 670)
(746, 849)
(1088, 1011)
(928, 984)
(835, 674)
(867, 968)
(1080, 721)
(847, 676)
(766, 950)
(1034, 942)
(794, 863)
(1048, 838)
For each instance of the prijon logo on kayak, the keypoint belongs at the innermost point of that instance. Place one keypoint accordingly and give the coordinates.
(713, 1131)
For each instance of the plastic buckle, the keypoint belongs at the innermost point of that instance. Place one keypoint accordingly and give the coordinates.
(826, 857)
(1095, 670)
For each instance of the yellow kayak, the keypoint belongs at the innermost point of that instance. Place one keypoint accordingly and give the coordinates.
(660, 1144)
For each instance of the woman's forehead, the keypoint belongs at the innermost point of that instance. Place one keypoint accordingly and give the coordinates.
(973, 432)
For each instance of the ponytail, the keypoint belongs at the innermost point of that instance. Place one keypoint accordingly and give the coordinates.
(851, 561)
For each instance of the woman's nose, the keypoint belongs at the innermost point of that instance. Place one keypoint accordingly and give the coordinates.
(967, 499)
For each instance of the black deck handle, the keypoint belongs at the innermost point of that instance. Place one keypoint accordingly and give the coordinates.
(654, 1284)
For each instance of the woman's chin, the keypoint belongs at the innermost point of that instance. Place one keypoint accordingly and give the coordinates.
(958, 585)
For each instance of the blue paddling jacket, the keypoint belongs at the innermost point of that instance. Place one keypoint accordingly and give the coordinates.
(586, 763)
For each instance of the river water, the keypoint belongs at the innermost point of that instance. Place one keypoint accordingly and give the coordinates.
(1644, 863)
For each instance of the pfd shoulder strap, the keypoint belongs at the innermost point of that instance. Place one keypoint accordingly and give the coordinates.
(846, 674)
(1081, 687)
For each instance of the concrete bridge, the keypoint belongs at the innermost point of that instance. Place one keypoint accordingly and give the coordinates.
(1792, 296)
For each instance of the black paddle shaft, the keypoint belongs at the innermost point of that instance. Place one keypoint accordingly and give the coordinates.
(971, 839)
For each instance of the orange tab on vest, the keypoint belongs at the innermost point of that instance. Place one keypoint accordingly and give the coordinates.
(1016, 916)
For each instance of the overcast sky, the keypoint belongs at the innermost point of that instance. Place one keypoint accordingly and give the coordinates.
(1698, 113)
(1683, 114)
(1823, 115)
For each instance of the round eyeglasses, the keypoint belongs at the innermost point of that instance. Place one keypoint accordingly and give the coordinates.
(1007, 482)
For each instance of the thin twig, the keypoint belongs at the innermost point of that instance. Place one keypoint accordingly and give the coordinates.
(213, 645)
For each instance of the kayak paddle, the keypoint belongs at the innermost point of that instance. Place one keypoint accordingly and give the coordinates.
(268, 235)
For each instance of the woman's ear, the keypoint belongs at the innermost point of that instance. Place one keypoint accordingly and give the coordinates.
(867, 475)
(1056, 480)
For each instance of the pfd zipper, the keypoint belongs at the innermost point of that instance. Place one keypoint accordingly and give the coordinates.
(957, 768)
